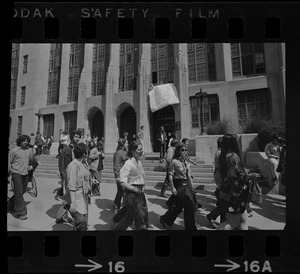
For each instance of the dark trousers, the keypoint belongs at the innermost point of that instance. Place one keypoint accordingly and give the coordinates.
(172, 199)
(184, 200)
(215, 213)
(162, 151)
(39, 150)
(119, 195)
(81, 221)
(136, 212)
(16, 202)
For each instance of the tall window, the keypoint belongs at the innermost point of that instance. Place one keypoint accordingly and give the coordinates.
(75, 68)
(201, 62)
(20, 122)
(54, 74)
(23, 92)
(48, 120)
(129, 59)
(210, 110)
(253, 103)
(14, 74)
(247, 59)
(25, 64)
(70, 121)
(100, 58)
(162, 63)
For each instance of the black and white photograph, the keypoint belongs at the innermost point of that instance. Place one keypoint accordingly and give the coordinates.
(152, 137)
(147, 136)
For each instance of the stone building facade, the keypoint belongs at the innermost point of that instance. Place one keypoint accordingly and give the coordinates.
(103, 88)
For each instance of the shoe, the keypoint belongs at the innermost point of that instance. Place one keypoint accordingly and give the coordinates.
(62, 220)
(250, 214)
(116, 209)
(212, 222)
(58, 198)
(162, 222)
(149, 226)
(23, 217)
(163, 194)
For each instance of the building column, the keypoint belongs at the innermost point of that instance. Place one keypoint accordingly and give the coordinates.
(182, 110)
(142, 92)
(111, 132)
(59, 122)
(84, 90)
(223, 62)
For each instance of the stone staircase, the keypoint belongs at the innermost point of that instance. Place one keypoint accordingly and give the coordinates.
(155, 171)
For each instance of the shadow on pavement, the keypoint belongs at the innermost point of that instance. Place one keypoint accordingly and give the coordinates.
(106, 214)
(272, 208)
(52, 212)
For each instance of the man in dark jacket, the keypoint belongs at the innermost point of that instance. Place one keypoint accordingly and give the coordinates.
(65, 158)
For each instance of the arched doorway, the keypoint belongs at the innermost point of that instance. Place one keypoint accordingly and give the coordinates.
(127, 123)
(96, 122)
(163, 117)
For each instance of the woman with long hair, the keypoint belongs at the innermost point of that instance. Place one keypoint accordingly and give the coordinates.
(179, 172)
(233, 195)
(132, 178)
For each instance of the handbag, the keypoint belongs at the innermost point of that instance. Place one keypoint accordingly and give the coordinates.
(255, 192)
(95, 186)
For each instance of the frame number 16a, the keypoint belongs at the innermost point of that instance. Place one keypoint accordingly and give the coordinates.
(250, 266)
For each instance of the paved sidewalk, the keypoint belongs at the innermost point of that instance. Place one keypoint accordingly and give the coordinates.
(43, 209)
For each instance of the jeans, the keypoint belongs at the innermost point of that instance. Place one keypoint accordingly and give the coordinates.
(162, 151)
(16, 202)
(172, 199)
(214, 214)
(119, 195)
(183, 200)
(80, 220)
(137, 211)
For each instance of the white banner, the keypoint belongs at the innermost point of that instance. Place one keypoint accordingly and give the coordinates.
(162, 96)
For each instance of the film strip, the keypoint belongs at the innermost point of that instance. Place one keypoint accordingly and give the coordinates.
(158, 250)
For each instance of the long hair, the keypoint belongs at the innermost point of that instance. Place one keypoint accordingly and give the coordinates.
(229, 144)
(177, 150)
(219, 142)
(133, 145)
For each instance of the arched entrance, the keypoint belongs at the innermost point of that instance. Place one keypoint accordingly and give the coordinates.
(163, 117)
(96, 122)
(127, 123)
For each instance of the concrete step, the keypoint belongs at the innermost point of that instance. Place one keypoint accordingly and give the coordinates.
(146, 164)
(161, 174)
(149, 181)
(109, 173)
(195, 171)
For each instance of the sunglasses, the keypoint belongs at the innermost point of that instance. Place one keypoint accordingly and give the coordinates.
(183, 149)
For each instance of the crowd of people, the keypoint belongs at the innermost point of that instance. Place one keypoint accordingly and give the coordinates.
(80, 163)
